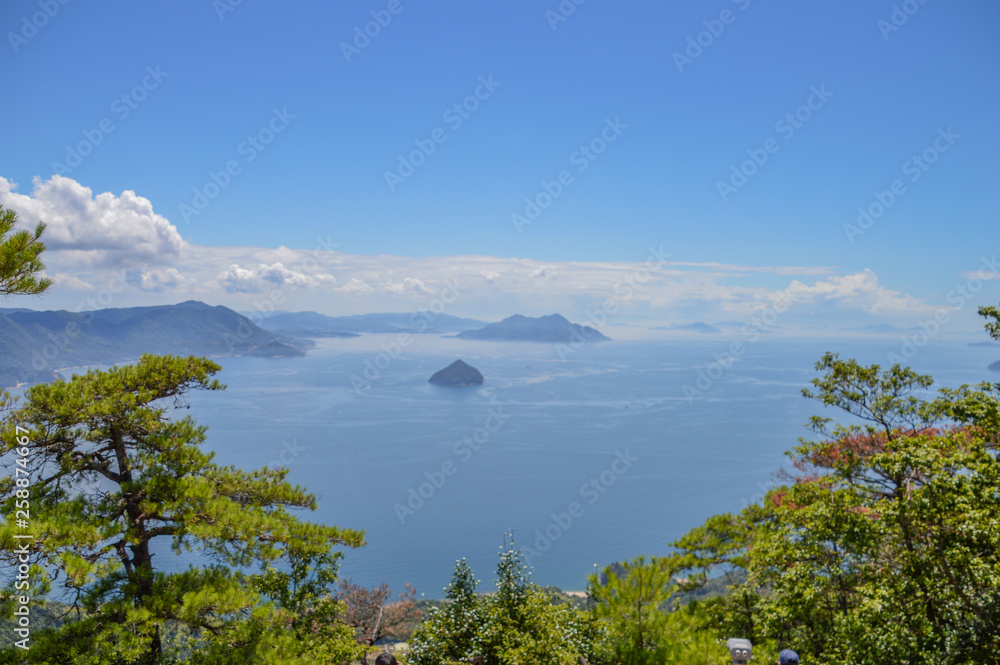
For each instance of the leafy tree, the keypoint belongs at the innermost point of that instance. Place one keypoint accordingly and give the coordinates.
(19, 262)
(109, 475)
(885, 546)
(372, 617)
(306, 612)
(992, 327)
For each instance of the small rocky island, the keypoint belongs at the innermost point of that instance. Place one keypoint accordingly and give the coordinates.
(457, 374)
(995, 366)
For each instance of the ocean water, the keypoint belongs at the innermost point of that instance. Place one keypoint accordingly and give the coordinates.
(589, 459)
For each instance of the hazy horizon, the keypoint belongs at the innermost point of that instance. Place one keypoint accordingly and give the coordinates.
(646, 164)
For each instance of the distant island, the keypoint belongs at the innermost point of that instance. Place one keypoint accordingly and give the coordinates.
(312, 334)
(884, 328)
(995, 366)
(321, 325)
(697, 326)
(552, 328)
(35, 344)
(457, 374)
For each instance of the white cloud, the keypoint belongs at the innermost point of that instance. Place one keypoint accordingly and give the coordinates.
(159, 279)
(95, 230)
(355, 287)
(236, 279)
(858, 291)
(409, 286)
(125, 231)
(542, 272)
(71, 282)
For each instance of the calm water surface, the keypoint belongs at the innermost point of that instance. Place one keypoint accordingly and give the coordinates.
(533, 450)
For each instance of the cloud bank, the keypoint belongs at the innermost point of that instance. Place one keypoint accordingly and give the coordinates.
(95, 230)
(92, 240)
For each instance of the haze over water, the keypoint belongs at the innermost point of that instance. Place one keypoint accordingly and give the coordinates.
(563, 424)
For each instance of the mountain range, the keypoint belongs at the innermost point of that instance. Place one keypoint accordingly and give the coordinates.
(34, 344)
(305, 323)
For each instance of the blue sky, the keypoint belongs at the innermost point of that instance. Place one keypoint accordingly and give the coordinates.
(313, 217)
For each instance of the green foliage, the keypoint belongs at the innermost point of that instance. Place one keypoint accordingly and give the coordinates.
(628, 601)
(517, 624)
(19, 262)
(451, 633)
(109, 474)
(886, 400)
(992, 327)
(886, 547)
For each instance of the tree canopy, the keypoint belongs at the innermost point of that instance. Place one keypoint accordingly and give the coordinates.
(885, 544)
(517, 624)
(20, 264)
(110, 474)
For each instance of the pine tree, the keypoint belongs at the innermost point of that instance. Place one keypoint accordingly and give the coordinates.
(629, 600)
(19, 262)
(517, 624)
(108, 474)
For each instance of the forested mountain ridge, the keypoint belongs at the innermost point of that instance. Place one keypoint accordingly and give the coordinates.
(34, 344)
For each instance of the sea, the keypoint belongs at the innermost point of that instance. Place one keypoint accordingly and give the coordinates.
(584, 456)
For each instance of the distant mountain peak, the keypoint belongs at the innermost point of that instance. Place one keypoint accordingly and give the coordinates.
(553, 328)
